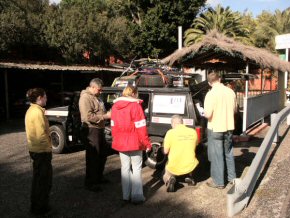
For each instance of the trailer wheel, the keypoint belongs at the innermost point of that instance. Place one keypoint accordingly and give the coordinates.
(58, 142)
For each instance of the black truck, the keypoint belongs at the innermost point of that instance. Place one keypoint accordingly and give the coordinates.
(159, 104)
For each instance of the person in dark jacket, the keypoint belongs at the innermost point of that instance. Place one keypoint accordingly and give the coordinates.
(130, 138)
(39, 146)
(93, 116)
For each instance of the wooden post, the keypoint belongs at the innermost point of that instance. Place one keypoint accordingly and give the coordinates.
(61, 88)
(262, 81)
(245, 106)
(281, 88)
(6, 95)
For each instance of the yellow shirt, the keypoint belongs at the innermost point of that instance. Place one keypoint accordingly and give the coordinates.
(220, 101)
(37, 129)
(181, 143)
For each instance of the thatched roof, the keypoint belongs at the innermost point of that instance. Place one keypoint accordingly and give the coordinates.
(221, 52)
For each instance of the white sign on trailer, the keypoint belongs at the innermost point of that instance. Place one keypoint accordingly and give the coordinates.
(282, 41)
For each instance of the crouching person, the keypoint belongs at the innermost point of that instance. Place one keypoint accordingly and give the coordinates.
(179, 143)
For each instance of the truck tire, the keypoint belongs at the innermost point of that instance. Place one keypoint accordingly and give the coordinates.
(58, 142)
(155, 158)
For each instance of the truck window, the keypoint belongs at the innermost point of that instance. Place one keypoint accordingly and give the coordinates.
(108, 99)
(145, 104)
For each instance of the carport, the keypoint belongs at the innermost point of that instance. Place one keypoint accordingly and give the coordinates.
(16, 78)
(224, 54)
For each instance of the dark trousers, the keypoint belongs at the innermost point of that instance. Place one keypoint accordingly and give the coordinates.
(41, 181)
(96, 155)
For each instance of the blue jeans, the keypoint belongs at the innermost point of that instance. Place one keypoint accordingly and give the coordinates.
(131, 166)
(220, 151)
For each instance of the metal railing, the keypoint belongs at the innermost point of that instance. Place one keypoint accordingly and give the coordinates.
(241, 94)
(240, 193)
(258, 107)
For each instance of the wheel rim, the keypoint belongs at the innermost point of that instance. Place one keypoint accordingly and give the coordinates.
(55, 138)
(156, 155)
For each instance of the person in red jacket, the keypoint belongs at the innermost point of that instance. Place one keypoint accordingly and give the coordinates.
(130, 138)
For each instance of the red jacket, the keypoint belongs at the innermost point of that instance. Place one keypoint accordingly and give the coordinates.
(128, 124)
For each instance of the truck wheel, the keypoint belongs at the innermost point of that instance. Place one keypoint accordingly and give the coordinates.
(156, 159)
(56, 133)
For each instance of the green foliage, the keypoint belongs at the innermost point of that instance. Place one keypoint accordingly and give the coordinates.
(123, 28)
(270, 25)
(155, 30)
(12, 25)
(222, 19)
(75, 29)
(20, 25)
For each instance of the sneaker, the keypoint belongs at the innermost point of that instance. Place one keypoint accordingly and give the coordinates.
(211, 184)
(171, 184)
(190, 181)
(232, 182)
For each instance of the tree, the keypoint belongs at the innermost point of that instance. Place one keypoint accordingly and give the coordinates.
(270, 25)
(222, 19)
(250, 24)
(154, 23)
(20, 26)
(12, 25)
(77, 28)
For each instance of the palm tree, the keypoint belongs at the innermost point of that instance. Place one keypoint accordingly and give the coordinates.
(222, 19)
(269, 26)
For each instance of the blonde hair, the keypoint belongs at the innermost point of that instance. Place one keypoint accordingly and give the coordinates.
(130, 91)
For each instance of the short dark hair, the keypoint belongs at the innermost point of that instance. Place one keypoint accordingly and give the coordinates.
(96, 81)
(213, 77)
(33, 94)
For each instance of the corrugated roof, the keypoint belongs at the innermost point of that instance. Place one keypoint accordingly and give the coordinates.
(31, 66)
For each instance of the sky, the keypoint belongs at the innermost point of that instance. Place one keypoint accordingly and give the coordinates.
(254, 6)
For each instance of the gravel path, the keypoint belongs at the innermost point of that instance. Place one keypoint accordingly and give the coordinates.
(70, 199)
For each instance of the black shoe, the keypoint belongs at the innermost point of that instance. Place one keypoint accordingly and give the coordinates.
(213, 185)
(104, 181)
(93, 188)
(125, 202)
(40, 211)
(190, 181)
(138, 202)
(171, 184)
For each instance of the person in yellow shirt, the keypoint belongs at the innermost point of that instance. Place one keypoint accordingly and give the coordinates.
(40, 150)
(219, 109)
(179, 143)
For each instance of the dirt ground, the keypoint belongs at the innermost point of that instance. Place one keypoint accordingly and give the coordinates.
(70, 199)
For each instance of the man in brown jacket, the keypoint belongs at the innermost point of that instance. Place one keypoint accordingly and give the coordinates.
(93, 116)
